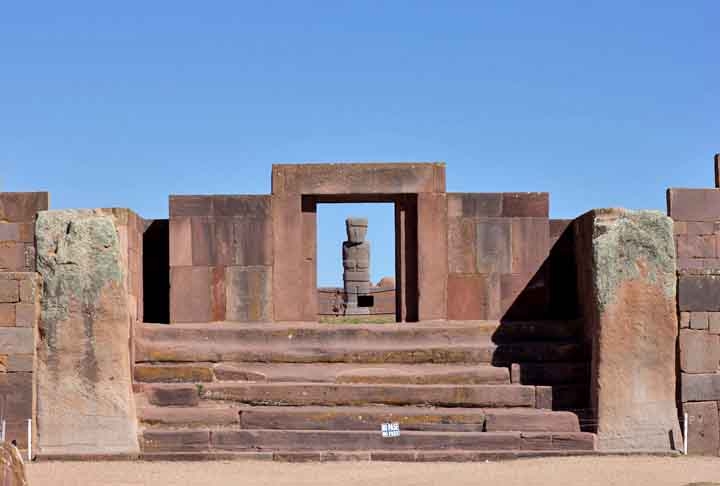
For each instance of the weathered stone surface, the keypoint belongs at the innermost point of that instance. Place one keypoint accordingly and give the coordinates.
(694, 204)
(699, 351)
(9, 291)
(699, 320)
(700, 388)
(699, 293)
(703, 428)
(12, 469)
(20, 207)
(628, 287)
(248, 294)
(84, 390)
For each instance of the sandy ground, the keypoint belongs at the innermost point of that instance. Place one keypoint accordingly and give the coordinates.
(587, 471)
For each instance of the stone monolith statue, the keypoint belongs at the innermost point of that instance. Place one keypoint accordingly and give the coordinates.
(356, 265)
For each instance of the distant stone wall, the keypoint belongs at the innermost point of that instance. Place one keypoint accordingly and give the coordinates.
(499, 249)
(696, 215)
(221, 259)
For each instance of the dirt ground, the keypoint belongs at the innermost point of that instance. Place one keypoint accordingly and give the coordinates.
(585, 471)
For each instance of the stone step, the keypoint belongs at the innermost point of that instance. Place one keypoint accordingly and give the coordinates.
(480, 351)
(303, 394)
(420, 374)
(195, 440)
(446, 455)
(316, 334)
(361, 418)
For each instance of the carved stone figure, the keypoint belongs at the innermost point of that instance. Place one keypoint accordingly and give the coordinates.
(356, 265)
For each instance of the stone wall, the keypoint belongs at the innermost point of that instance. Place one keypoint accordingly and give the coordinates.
(221, 259)
(696, 215)
(17, 230)
(19, 311)
(498, 246)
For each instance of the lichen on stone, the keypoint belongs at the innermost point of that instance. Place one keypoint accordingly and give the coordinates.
(631, 245)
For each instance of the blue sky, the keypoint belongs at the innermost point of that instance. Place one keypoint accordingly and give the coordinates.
(122, 103)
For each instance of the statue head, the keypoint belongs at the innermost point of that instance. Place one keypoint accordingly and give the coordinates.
(356, 229)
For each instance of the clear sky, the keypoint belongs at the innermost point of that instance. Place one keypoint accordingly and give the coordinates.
(601, 103)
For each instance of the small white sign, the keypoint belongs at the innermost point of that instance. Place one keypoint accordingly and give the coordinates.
(390, 430)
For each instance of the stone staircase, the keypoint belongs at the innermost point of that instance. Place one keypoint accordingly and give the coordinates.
(308, 391)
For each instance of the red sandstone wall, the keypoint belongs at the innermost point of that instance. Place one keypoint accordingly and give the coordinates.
(696, 213)
(497, 245)
(19, 308)
(221, 258)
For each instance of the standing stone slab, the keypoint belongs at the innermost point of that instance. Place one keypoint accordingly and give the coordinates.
(703, 428)
(85, 404)
(627, 283)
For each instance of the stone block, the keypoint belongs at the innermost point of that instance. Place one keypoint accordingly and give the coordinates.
(699, 293)
(29, 290)
(530, 244)
(356, 276)
(339, 179)
(85, 403)
(249, 294)
(17, 392)
(190, 294)
(461, 245)
(9, 231)
(9, 291)
(627, 281)
(181, 396)
(544, 397)
(25, 315)
(218, 298)
(243, 206)
(699, 351)
(697, 246)
(20, 363)
(699, 320)
(16, 340)
(714, 322)
(703, 428)
(432, 256)
(253, 239)
(700, 388)
(186, 206)
(180, 242)
(472, 297)
(694, 204)
(7, 315)
(685, 320)
(526, 204)
(493, 246)
(20, 207)
(475, 205)
(12, 257)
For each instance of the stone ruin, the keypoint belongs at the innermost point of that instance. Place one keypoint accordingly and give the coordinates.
(356, 266)
(517, 334)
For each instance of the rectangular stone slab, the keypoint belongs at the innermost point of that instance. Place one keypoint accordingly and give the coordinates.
(85, 403)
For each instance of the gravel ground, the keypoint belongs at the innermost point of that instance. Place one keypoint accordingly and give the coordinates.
(585, 471)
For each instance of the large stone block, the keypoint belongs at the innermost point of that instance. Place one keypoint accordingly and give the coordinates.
(432, 256)
(530, 244)
(12, 468)
(339, 179)
(253, 240)
(526, 204)
(85, 403)
(700, 388)
(16, 390)
(249, 294)
(12, 257)
(461, 245)
(493, 246)
(699, 293)
(472, 297)
(699, 351)
(20, 207)
(703, 428)
(627, 284)
(694, 204)
(475, 205)
(190, 294)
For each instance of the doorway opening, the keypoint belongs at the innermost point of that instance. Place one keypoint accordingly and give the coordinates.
(356, 262)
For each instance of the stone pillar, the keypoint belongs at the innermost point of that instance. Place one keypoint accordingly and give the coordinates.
(356, 265)
(626, 278)
(85, 404)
